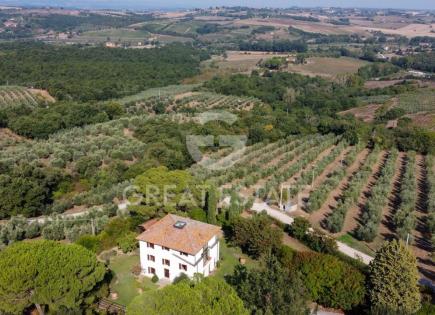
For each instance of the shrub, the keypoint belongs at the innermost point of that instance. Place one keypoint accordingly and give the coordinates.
(54, 230)
(60, 206)
(299, 228)
(321, 242)
(33, 230)
(13, 230)
(180, 278)
(155, 279)
(255, 236)
(136, 270)
(285, 255)
(330, 281)
(270, 289)
(74, 232)
(198, 214)
(91, 242)
(128, 242)
(114, 230)
(313, 238)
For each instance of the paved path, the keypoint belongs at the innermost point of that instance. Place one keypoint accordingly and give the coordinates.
(284, 218)
(276, 214)
(349, 251)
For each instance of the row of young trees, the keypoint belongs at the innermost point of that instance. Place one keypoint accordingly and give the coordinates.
(200, 101)
(248, 168)
(372, 214)
(239, 159)
(283, 174)
(256, 164)
(265, 167)
(14, 96)
(321, 193)
(404, 218)
(308, 175)
(349, 197)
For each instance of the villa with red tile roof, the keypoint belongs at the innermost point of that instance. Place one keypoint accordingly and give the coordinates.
(174, 245)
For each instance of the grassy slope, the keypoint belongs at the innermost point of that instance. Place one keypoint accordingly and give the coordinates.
(124, 282)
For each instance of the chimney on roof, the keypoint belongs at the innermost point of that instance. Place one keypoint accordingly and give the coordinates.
(179, 225)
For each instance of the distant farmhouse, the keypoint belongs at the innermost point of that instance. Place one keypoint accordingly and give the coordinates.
(174, 245)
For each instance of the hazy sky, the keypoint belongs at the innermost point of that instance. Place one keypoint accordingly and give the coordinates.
(145, 4)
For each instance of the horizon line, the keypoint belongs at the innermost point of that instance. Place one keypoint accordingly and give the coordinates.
(188, 8)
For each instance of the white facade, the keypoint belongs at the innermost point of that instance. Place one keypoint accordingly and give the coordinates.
(168, 263)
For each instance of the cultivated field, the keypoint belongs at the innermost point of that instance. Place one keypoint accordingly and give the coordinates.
(124, 35)
(419, 106)
(327, 67)
(410, 30)
(351, 192)
(421, 101)
(379, 84)
(115, 34)
(312, 27)
(423, 119)
(234, 62)
(246, 61)
(166, 91)
(12, 96)
(356, 27)
(188, 102)
(365, 113)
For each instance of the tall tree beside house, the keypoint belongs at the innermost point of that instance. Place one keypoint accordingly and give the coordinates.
(255, 235)
(207, 296)
(212, 199)
(46, 274)
(235, 207)
(393, 279)
(330, 281)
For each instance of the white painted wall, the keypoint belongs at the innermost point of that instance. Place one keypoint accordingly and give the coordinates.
(195, 264)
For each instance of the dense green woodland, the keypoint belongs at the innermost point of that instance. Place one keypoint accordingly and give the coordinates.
(96, 73)
(276, 46)
(84, 21)
(423, 62)
(287, 90)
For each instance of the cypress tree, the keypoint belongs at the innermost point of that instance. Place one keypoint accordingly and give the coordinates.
(211, 204)
(393, 279)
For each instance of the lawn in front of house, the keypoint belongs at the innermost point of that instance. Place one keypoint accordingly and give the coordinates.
(124, 283)
(229, 259)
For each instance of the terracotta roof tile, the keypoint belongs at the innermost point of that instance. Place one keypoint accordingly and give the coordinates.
(190, 239)
(148, 224)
